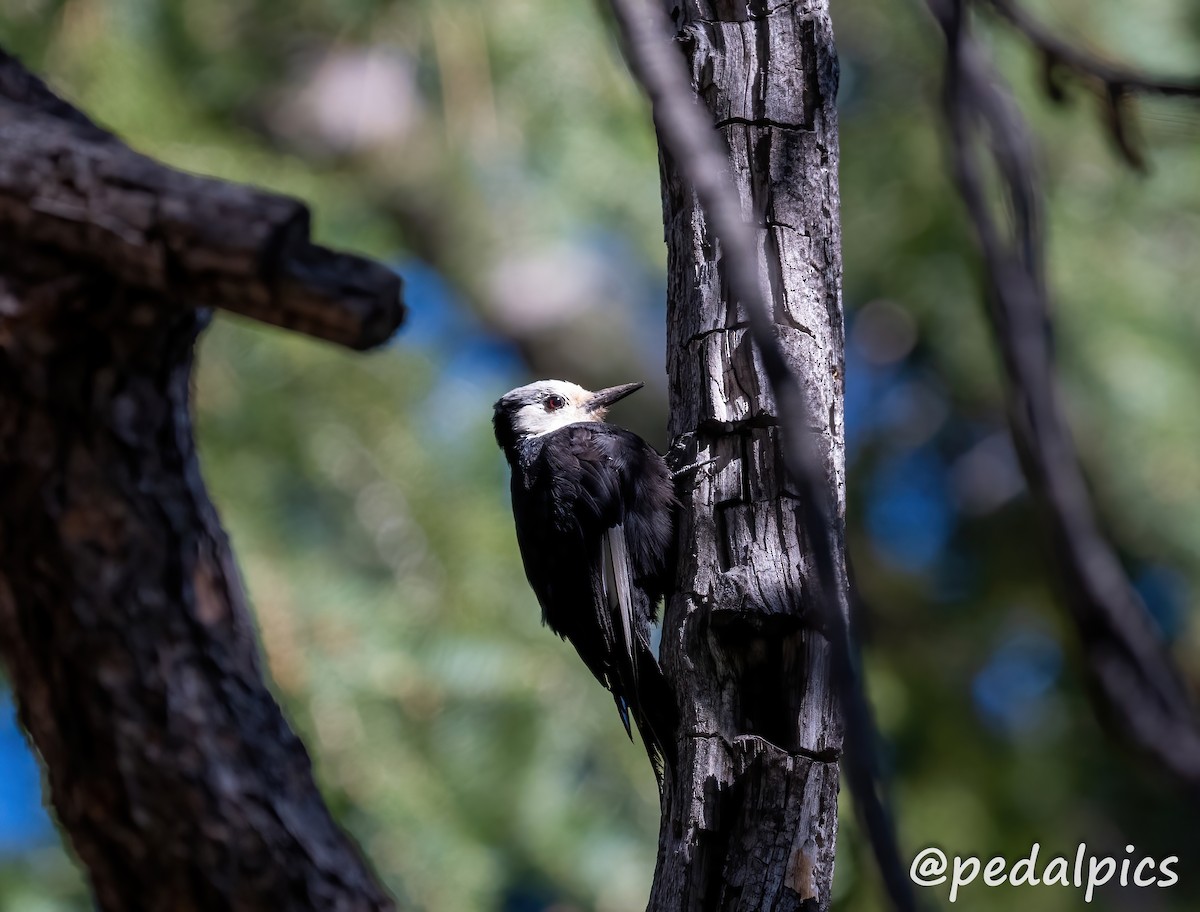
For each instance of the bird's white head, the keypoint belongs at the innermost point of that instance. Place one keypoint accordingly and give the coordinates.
(547, 405)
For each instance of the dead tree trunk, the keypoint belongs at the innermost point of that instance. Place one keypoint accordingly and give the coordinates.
(750, 822)
(122, 620)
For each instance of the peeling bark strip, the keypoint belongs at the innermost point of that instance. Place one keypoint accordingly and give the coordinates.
(123, 625)
(750, 823)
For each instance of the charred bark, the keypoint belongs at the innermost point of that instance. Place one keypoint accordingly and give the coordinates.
(123, 624)
(750, 820)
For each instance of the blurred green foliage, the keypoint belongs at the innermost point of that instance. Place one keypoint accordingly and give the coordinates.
(462, 743)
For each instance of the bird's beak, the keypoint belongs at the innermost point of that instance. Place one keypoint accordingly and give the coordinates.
(606, 397)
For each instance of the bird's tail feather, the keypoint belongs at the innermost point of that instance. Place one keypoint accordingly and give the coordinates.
(655, 712)
(623, 710)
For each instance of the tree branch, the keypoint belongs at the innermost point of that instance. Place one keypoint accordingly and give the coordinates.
(68, 186)
(686, 133)
(1136, 682)
(123, 623)
(1116, 84)
(1083, 63)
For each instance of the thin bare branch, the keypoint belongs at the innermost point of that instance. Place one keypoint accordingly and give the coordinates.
(1115, 85)
(1136, 682)
(1088, 64)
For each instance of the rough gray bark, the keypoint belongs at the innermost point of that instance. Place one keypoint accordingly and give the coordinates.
(123, 625)
(750, 819)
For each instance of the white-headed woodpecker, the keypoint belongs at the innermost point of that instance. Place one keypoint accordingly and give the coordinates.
(594, 506)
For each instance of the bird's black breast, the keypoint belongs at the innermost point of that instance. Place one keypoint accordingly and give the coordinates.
(570, 487)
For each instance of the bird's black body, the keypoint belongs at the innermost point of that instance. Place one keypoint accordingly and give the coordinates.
(594, 506)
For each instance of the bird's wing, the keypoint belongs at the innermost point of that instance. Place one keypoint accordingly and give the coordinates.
(618, 579)
(591, 464)
(610, 498)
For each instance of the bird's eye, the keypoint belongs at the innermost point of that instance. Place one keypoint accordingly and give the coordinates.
(554, 403)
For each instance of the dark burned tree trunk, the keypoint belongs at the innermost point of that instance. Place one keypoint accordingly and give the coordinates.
(750, 823)
(122, 620)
